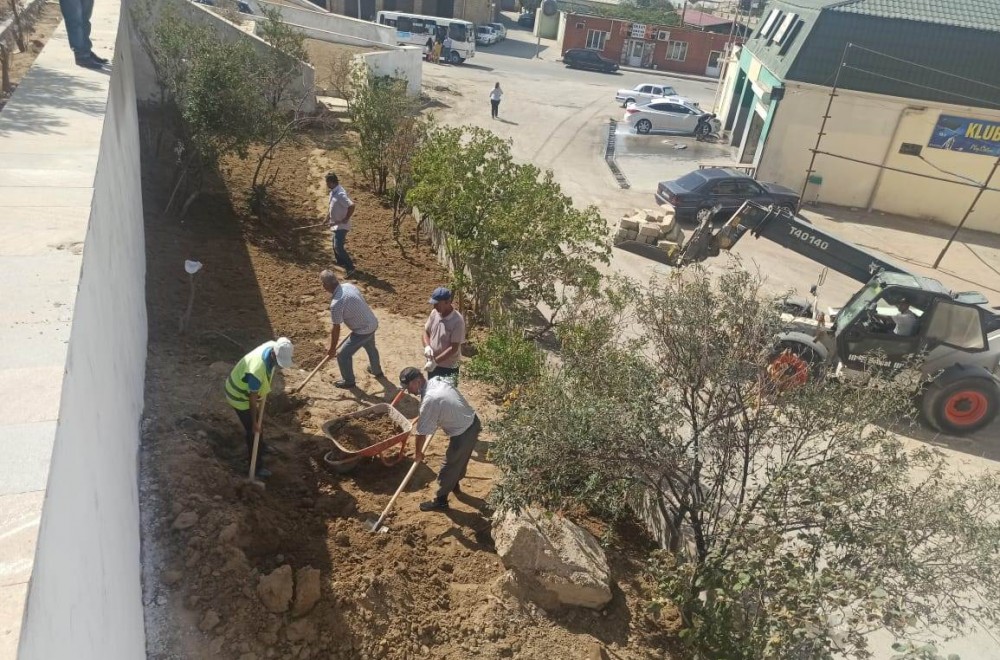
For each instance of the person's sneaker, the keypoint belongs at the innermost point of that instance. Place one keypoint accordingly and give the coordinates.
(434, 505)
(100, 60)
(88, 63)
(344, 385)
(262, 473)
(377, 375)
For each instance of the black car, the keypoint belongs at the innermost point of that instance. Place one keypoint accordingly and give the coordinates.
(527, 19)
(722, 187)
(583, 58)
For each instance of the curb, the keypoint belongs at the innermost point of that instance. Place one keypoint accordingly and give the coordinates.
(668, 74)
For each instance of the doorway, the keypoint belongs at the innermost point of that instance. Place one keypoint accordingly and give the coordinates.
(752, 140)
(635, 51)
(714, 67)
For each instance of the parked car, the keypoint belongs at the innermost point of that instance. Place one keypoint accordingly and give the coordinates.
(485, 35)
(527, 19)
(725, 188)
(583, 58)
(673, 114)
(501, 30)
(643, 93)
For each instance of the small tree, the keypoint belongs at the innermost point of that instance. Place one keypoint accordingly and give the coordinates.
(513, 236)
(283, 62)
(379, 109)
(795, 522)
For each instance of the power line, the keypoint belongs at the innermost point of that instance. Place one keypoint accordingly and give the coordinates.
(983, 187)
(928, 87)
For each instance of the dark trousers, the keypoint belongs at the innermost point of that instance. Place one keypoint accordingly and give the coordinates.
(494, 108)
(76, 14)
(340, 252)
(246, 419)
(456, 459)
(444, 372)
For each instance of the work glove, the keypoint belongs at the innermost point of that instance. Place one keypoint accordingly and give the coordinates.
(428, 352)
(430, 365)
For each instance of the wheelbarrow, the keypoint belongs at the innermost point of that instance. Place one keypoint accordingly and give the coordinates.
(389, 451)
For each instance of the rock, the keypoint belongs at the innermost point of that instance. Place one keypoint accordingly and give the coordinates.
(209, 621)
(650, 215)
(235, 561)
(632, 235)
(306, 590)
(342, 539)
(554, 561)
(275, 589)
(650, 229)
(628, 224)
(673, 233)
(228, 533)
(216, 646)
(171, 578)
(301, 630)
(185, 520)
(621, 235)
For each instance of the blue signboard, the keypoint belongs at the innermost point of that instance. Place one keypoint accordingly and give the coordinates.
(974, 136)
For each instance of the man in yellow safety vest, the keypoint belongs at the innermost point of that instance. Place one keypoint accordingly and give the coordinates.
(249, 382)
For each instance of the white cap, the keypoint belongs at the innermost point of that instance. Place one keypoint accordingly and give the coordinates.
(283, 352)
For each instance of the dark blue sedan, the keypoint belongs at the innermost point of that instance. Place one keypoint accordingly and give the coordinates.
(720, 187)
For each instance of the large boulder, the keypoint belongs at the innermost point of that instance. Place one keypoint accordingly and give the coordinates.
(554, 562)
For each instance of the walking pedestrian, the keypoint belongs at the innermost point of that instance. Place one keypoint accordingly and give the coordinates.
(442, 406)
(339, 216)
(429, 46)
(348, 307)
(495, 95)
(248, 383)
(443, 336)
(76, 14)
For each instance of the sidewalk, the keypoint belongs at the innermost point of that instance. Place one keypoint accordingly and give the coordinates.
(669, 74)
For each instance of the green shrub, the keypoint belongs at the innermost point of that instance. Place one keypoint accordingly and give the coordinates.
(506, 360)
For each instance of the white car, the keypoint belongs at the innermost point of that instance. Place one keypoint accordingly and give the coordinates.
(644, 93)
(500, 29)
(486, 36)
(673, 114)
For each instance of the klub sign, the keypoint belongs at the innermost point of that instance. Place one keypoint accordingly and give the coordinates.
(974, 136)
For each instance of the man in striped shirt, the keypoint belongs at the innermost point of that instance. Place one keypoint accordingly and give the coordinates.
(348, 307)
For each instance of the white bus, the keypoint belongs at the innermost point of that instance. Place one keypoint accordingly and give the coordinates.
(416, 29)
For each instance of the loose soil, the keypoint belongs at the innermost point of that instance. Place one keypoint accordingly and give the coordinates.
(433, 584)
(357, 433)
(45, 23)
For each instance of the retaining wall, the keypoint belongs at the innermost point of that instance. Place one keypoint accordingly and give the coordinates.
(72, 356)
(323, 25)
(406, 63)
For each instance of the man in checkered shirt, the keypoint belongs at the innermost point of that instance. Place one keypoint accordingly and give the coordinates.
(348, 307)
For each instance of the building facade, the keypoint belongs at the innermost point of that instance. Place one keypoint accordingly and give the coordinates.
(914, 125)
(476, 11)
(684, 50)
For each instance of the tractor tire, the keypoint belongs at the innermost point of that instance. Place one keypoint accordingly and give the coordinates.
(961, 407)
(792, 364)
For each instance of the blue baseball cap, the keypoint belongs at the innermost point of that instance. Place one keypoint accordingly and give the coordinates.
(441, 294)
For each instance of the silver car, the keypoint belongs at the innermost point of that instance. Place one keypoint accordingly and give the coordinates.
(673, 114)
(644, 93)
(500, 30)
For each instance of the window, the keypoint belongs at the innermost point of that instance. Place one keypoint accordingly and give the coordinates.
(580, 26)
(662, 35)
(596, 39)
(458, 32)
(677, 50)
(782, 31)
(404, 24)
(659, 107)
(749, 189)
(957, 325)
(676, 109)
(646, 89)
(419, 27)
(724, 188)
(770, 24)
(638, 30)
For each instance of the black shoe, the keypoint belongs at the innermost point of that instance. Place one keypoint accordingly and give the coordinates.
(344, 385)
(88, 63)
(377, 375)
(434, 505)
(100, 60)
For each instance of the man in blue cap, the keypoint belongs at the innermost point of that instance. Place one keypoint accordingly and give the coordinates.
(444, 334)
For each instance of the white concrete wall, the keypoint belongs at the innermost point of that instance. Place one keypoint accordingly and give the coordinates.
(406, 63)
(72, 356)
(867, 127)
(320, 24)
(145, 81)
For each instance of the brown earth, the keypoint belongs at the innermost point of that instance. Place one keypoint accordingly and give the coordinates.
(431, 585)
(43, 25)
(355, 434)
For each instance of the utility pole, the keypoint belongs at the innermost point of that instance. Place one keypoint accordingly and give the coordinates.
(822, 126)
(972, 207)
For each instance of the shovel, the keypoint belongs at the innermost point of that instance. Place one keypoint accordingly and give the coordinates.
(373, 526)
(252, 477)
(318, 367)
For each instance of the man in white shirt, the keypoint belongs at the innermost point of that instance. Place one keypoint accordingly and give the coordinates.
(906, 321)
(339, 216)
(348, 307)
(442, 406)
(447, 48)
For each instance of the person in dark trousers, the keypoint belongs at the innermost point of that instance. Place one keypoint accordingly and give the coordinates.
(444, 334)
(339, 216)
(442, 406)
(248, 383)
(429, 49)
(348, 307)
(495, 95)
(77, 14)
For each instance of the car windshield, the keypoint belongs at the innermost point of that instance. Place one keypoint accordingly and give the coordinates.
(458, 32)
(858, 304)
(691, 181)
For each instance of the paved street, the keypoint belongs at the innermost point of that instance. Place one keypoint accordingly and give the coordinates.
(557, 118)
